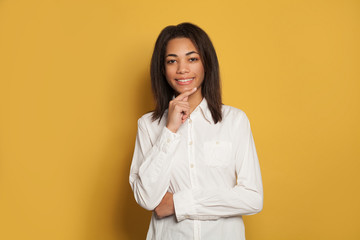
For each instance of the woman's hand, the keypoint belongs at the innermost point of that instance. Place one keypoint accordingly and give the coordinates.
(179, 111)
(166, 206)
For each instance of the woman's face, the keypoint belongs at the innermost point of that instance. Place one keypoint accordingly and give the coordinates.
(184, 69)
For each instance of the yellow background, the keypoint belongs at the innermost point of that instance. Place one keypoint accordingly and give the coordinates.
(74, 80)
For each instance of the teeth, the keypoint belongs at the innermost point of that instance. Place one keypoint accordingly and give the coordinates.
(185, 80)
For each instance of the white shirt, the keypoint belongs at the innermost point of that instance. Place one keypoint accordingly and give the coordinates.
(212, 170)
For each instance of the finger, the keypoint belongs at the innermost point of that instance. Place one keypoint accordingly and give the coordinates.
(177, 102)
(185, 111)
(185, 115)
(181, 107)
(185, 94)
(180, 103)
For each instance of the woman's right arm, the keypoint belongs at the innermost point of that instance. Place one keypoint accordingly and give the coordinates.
(151, 165)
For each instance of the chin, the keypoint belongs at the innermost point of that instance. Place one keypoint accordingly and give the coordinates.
(186, 89)
(183, 89)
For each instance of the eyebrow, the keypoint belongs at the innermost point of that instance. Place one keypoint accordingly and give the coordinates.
(187, 54)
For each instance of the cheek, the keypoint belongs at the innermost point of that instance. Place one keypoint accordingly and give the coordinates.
(169, 77)
(200, 70)
(168, 72)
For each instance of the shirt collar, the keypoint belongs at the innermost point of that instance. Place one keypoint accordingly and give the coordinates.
(204, 108)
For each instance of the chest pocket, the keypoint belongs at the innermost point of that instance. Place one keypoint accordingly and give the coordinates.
(217, 153)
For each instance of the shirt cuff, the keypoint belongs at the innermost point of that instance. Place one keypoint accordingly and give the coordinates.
(167, 140)
(184, 205)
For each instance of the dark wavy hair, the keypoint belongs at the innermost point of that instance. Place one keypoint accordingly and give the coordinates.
(210, 88)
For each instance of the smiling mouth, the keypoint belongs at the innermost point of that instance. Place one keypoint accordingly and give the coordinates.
(184, 81)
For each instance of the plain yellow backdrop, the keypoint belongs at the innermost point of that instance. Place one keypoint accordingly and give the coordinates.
(75, 79)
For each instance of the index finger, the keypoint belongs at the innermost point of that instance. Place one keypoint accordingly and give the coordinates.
(185, 94)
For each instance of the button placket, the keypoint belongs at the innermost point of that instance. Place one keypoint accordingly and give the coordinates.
(197, 230)
(192, 167)
(191, 147)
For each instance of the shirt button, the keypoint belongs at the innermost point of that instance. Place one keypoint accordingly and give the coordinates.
(168, 140)
(190, 121)
(217, 142)
(191, 165)
(190, 143)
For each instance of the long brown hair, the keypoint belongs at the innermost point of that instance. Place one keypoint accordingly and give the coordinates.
(210, 89)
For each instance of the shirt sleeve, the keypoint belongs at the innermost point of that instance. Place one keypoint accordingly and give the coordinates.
(151, 165)
(245, 198)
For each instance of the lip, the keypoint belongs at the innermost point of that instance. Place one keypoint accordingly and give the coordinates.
(184, 81)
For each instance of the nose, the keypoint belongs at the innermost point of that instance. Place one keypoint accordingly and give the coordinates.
(182, 68)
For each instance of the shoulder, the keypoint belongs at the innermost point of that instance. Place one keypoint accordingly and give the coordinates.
(236, 118)
(146, 121)
(233, 113)
(146, 117)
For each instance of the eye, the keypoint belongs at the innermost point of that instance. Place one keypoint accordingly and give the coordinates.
(171, 61)
(193, 59)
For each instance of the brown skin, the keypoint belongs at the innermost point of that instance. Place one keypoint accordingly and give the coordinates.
(182, 62)
(166, 206)
(179, 110)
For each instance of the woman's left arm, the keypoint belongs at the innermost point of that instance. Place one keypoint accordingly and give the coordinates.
(245, 198)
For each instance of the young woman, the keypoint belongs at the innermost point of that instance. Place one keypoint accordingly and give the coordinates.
(195, 163)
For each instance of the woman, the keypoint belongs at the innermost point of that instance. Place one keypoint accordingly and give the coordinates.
(195, 164)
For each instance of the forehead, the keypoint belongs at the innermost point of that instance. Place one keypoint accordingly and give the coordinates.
(180, 45)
